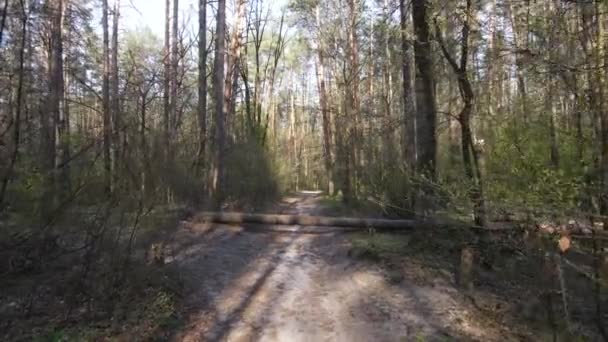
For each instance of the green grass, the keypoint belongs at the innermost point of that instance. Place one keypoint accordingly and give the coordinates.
(335, 206)
(378, 246)
(333, 202)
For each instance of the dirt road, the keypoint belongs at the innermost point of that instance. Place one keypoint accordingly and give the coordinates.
(294, 284)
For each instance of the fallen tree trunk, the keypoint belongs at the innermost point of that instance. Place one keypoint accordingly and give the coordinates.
(307, 220)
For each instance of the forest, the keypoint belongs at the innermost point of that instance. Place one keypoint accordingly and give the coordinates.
(482, 124)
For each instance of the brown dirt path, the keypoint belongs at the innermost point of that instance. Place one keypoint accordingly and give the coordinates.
(290, 284)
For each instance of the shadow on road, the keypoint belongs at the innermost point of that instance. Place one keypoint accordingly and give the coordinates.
(249, 283)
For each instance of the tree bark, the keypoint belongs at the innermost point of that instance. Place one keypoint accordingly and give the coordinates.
(174, 74)
(3, 20)
(167, 81)
(50, 115)
(114, 97)
(143, 144)
(601, 61)
(202, 82)
(19, 103)
(325, 113)
(550, 110)
(66, 153)
(409, 115)
(56, 99)
(233, 60)
(293, 143)
(426, 118)
(107, 121)
(591, 42)
(218, 90)
(353, 107)
(387, 89)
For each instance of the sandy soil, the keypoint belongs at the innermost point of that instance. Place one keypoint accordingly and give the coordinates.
(296, 284)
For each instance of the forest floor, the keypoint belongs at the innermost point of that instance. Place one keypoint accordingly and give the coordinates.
(195, 281)
(308, 284)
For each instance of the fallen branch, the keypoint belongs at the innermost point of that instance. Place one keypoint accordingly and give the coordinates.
(307, 220)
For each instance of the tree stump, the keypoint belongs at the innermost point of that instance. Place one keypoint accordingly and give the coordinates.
(465, 272)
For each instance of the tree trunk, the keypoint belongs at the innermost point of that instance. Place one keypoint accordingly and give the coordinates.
(426, 117)
(353, 106)
(114, 97)
(409, 114)
(306, 220)
(515, 16)
(233, 60)
(344, 151)
(325, 114)
(143, 142)
(202, 82)
(56, 100)
(591, 42)
(167, 80)
(218, 90)
(387, 89)
(258, 38)
(107, 122)
(19, 103)
(51, 115)
(550, 110)
(277, 53)
(600, 60)
(65, 121)
(3, 20)
(472, 162)
(174, 74)
(470, 155)
(249, 121)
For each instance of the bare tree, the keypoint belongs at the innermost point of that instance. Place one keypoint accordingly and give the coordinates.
(259, 27)
(233, 60)
(470, 154)
(20, 69)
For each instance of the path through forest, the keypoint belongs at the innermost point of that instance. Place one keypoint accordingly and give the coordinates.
(295, 284)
